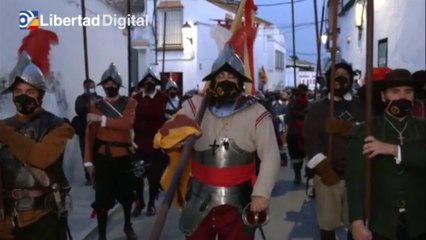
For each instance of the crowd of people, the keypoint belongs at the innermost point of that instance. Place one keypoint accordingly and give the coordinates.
(240, 142)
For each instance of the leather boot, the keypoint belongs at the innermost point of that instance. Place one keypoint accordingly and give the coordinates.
(102, 217)
(139, 206)
(130, 233)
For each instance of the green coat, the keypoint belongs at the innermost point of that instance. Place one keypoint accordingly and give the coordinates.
(390, 182)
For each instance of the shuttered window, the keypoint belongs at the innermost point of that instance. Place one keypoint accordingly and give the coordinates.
(174, 22)
(279, 60)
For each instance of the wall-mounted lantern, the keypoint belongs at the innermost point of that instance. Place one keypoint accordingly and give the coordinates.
(187, 31)
(359, 13)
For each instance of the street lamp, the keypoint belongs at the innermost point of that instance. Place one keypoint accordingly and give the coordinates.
(324, 38)
(186, 31)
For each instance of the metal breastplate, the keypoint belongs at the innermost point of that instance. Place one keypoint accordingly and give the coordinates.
(204, 197)
(224, 153)
(228, 108)
(16, 175)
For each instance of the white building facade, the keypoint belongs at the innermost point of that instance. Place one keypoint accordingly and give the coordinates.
(399, 34)
(105, 44)
(189, 55)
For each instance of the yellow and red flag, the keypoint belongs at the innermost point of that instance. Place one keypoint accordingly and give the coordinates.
(170, 137)
(244, 35)
(263, 76)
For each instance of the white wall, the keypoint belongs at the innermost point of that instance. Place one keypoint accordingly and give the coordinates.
(289, 77)
(401, 21)
(196, 60)
(105, 44)
(268, 40)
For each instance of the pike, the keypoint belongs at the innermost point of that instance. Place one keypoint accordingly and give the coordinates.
(369, 110)
(168, 198)
(333, 12)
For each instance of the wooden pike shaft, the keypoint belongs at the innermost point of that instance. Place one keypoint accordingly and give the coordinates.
(369, 110)
(333, 11)
(187, 149)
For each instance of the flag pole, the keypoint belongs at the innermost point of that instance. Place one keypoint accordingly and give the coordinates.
(129, 51)
(317, 36)
(294, 43)
(86, 61)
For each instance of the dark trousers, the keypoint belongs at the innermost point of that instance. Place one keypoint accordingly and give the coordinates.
(401, 231)
(48, 227)
(156, 162)
(81, 141)
(114, 180)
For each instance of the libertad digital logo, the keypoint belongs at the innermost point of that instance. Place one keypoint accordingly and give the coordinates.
(31, 20)
(28, 20)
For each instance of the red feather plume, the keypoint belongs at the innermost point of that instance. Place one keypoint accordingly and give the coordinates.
(37, 44)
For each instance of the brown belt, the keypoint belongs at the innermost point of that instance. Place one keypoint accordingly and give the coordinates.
(25, 193)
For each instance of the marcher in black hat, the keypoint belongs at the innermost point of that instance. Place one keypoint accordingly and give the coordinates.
(396, 150)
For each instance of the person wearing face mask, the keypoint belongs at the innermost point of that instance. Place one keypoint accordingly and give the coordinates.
(32, 144)
(109, 150)
(328, 164)
(150, 116)
(396, 151)
(82, 105)
(173, 105)
(295, 119)
(224, 188)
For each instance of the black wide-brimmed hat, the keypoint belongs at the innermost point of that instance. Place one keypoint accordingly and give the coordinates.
(396, 78)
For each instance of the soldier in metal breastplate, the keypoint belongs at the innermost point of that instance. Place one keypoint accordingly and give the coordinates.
(234, 128)
(33, 186)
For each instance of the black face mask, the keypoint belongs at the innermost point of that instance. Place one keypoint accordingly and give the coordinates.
(149, 87)
(341, 86)
(172, 94)
(226, 90)
(111, 92)
(399, 108)
(25, 104)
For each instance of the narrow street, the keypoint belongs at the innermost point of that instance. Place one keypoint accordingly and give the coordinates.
(292, 216)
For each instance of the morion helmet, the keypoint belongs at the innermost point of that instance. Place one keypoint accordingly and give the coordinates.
(111, 74)
(228, 61)
(150, 73)
(33, 61)
(171, 84)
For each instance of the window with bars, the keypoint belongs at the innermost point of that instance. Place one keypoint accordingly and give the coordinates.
(173, 19)
(279, 60)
